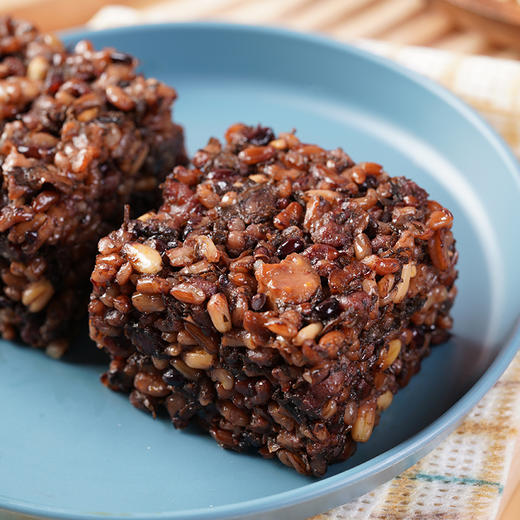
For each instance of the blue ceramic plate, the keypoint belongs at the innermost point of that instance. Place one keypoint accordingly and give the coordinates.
(69, 448)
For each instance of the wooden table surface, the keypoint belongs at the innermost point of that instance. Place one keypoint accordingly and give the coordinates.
(411, 22)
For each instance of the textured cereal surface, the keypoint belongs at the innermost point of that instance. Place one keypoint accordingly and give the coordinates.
(81, 134)
(280, 296)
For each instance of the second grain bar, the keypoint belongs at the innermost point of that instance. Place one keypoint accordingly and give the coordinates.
(82, 133)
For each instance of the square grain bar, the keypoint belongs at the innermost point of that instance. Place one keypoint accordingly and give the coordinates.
(82, 134)
(280, 296)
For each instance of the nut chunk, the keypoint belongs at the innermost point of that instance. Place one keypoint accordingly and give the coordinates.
(293, 280)
(279, 297)
(81, 134)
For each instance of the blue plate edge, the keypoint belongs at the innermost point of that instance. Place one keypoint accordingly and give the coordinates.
(420, 443)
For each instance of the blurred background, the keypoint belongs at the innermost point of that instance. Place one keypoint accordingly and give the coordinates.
(490, 27)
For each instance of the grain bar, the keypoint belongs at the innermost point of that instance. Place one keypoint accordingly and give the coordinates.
(81, 135)
(279, 297)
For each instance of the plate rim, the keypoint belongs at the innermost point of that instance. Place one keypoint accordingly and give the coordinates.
(420, 443)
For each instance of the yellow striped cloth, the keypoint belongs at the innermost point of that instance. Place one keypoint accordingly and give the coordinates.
(464, 477)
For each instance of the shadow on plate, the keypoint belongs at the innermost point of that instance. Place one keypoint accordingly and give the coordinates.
(83, 350)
